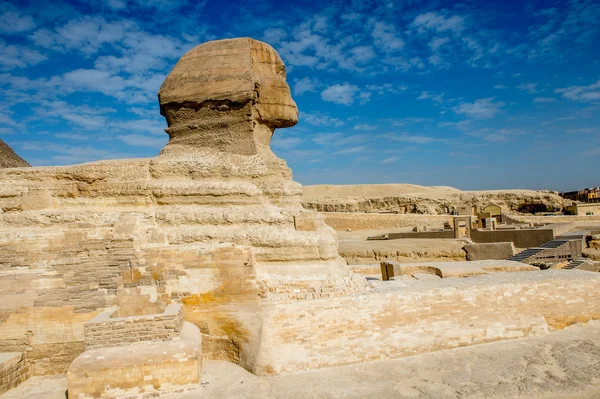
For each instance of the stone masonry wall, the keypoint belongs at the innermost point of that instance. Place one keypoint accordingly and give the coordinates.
(14, 370)
(106, 331)
(444, 314)
(366, 221)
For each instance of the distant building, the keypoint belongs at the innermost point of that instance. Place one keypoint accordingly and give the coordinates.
(591, 194)
(494, 212)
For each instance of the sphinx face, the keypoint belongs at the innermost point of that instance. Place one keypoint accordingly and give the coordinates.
(274, 102)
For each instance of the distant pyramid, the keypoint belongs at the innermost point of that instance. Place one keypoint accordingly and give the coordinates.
(9, 159)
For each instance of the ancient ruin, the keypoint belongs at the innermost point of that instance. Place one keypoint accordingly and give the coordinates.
(128, 274)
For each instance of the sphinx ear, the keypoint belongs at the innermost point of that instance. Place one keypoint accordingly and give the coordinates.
(256, 90)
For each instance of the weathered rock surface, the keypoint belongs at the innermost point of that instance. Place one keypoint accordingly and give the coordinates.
(407, 198)
(9, 158)
(214, 219)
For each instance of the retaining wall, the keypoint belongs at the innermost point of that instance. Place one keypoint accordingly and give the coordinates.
(443, 314)
(521, 238)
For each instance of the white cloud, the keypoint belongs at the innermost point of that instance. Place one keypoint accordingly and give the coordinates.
(483, 108)
(340, 93)
(437, 22)
(320, 119)
(408, 138)
(426, 95)
(14, 56)
(305, 85)
(116, 4)
(340, 139)
(497, 135)
(351, 150)
(73, 136)
(364, 97)
(386, 37)
(387, 88)
(581, 93)
(365, 127)
(501, 87)
(438, 42)
(274, 35)
(389, 160)
(362, 53)
(543, 100)
(14, 22)
(530, 87)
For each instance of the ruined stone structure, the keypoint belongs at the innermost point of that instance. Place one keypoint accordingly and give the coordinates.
(215, 222)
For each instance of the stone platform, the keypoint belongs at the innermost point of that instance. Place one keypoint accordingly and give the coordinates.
(140, 370)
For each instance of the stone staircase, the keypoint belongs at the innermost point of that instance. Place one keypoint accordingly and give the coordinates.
(575, 263)
(547, 250)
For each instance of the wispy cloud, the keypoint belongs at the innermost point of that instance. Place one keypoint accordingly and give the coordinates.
(342, 94)
(581, 93)
(409, 138)
(529, 87)
(12, 22)
(540, 100)
(305, 85)
(483, 108)
(365, 126)
(438, 22)
(320, 119)
(351, 150)
(426, 95)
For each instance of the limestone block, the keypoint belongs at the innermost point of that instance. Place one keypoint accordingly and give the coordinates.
(495, 250)
(139, 370)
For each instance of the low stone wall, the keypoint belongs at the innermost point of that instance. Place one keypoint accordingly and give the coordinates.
(521, 238)
(140, 370)
(423, 234)
(106, 331)
(554, 219)
(442, 314)
(369, 221)
(13, 370)
(492, 250)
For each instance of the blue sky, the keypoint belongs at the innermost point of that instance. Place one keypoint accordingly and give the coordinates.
(471, 94)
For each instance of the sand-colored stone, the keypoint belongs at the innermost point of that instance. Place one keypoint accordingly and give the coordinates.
(214, 219)
(453, 269)
(409, 198)
(493, 250)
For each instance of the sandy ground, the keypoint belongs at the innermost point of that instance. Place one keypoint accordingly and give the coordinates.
(562, 364)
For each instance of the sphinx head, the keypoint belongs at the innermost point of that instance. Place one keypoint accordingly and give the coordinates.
(226, 94)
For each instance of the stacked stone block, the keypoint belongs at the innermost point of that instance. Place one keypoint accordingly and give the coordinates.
(14, 369)
(107, 331)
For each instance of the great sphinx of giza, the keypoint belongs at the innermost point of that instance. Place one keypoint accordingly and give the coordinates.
(214, 219)
(215, 222)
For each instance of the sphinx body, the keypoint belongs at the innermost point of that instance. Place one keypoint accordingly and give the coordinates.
(215, 220)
